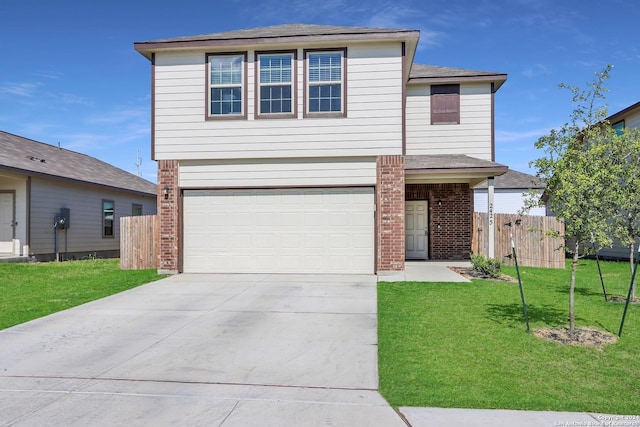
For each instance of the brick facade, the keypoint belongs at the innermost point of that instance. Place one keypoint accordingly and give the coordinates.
(450, 222)
(390, 198)
(168, 214)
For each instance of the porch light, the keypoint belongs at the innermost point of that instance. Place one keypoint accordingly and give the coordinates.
(165, 191)
(439, 202)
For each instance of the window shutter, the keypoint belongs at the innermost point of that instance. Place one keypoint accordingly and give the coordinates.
(445, 104)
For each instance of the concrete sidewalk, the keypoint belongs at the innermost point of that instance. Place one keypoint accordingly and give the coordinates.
(426, 271)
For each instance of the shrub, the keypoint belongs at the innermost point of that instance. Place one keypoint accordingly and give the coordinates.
(489, 266)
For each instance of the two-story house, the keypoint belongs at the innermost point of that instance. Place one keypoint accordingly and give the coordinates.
(307, 148)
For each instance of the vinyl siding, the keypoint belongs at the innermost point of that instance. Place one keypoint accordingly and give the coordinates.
(505, 201)
(471, 137)
(373, 126)
(633, 120)
(277, 173)
(85, 204)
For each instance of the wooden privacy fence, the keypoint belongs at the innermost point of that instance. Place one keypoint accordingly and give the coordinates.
(533, 246)
(138, 248)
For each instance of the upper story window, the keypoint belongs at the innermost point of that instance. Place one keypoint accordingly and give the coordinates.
(226, 85)
(445, 104)
(325, 78)
(618, 127)
(108, 212)
(276, 78)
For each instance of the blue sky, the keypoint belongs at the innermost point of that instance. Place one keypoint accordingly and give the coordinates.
(69, 73)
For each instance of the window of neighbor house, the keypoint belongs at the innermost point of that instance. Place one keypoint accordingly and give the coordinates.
(136, 209)
(275, 83)
(618, 127)
(445, 104)
(226, 85)
(325, 82)
(108, 211)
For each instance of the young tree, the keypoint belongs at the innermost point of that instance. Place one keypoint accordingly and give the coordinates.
(577, 174)
(625, 159)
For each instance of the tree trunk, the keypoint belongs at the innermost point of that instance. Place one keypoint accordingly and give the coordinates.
(572, 289)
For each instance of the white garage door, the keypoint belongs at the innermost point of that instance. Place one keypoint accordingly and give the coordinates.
(328, 230)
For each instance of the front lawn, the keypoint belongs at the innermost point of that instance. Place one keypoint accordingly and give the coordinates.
(29, 291)
(465, 345)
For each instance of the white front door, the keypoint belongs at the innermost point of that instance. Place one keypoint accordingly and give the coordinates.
(416, 230)
(6, 222)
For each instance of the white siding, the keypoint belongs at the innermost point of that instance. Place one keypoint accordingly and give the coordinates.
(373, 126)
(85, 204)
(509, 201)
(471, 137)
(277, 172)
(18, 183)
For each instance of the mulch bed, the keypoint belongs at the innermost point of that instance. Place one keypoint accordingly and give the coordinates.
(470, 273)
(588, 337)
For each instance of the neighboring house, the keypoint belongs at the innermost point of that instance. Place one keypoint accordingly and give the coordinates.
(510, 192)
(41, 183)
(307, 148)
(626, 118)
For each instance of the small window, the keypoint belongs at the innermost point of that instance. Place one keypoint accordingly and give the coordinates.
(275, 83)
(108, 211)
(325, 82)
(618, 127)
(445, 104)
(136, 210)
(226, 85)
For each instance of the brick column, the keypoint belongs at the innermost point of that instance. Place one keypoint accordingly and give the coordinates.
(168, 215)
(390, 214)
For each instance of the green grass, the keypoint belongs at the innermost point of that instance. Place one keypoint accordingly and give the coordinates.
(465, 344)
(29, 291)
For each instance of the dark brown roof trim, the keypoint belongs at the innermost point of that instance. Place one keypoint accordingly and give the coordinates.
(452, 79)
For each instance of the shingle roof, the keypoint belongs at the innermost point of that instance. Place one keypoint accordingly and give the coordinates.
(448, 161)
(32, 157)
(515, 179)
(437, 74)
(435, 71)
(286, 30)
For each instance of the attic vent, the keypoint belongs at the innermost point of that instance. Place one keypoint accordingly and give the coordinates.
(36, 159)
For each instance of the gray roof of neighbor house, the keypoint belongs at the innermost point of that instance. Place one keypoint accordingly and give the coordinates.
(31, 157)
(437, 74)
(514, 179)
(620, 114)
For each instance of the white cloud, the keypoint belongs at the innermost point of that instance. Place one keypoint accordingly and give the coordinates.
(536, 70)
(24, 89)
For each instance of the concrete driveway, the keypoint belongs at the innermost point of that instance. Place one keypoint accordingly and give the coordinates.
(229, 350)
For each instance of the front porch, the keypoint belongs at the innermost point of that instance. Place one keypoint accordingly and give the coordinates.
(425, 207)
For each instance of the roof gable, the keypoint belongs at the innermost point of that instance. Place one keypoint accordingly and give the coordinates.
(27, 156)
(281, 34)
